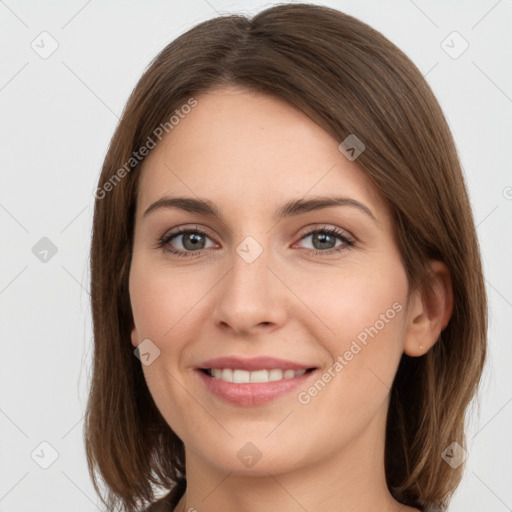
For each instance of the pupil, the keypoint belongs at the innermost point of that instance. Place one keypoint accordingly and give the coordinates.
(193, 239)
(321, 237)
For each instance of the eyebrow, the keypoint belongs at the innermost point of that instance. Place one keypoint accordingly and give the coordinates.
(289, 209)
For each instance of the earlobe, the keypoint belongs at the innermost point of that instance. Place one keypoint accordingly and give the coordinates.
(430, 310)
(135, 337)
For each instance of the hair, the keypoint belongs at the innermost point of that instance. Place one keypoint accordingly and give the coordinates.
(349, 79)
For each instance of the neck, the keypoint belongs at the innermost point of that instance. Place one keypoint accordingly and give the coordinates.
(351, 478)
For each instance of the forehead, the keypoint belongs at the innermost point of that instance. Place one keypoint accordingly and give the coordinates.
(242, 148)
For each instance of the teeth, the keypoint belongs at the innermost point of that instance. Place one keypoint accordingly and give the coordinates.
(243, 376)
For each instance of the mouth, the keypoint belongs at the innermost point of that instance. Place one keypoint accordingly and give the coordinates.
(247, 388)
(239, 376)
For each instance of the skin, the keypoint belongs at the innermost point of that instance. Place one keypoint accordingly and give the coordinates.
(250, 153)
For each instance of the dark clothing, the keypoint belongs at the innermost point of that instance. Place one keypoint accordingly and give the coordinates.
(168, 502)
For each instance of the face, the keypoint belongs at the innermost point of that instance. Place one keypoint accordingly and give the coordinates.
(321, 289)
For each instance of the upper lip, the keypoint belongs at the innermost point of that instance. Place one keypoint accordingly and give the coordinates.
(253, 364)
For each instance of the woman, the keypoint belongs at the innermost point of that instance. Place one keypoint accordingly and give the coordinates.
(287, 293)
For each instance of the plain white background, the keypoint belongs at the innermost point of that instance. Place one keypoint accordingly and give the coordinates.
(58, 114)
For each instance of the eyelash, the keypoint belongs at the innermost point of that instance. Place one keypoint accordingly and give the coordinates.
(164, 241)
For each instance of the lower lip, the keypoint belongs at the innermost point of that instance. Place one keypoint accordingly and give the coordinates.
(252, 394)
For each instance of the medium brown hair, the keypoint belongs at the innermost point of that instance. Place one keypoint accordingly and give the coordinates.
(349, 79)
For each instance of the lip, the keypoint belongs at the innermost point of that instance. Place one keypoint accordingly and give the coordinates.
(253, 394)
(253, 364)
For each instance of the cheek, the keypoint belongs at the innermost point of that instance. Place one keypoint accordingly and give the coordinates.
(361, 314)
(365, 350)
(162, 301)
(348, 300)
(163, 310)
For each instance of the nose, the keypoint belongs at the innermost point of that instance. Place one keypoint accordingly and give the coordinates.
(251, 297)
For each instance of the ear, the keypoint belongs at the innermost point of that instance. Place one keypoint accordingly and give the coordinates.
(429, 311)
(135, 336)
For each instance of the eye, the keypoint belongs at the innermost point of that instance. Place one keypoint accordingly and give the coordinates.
(192, 240)
(323, 239)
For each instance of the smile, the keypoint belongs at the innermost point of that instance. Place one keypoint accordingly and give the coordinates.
(253, 388)
(243, 376)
